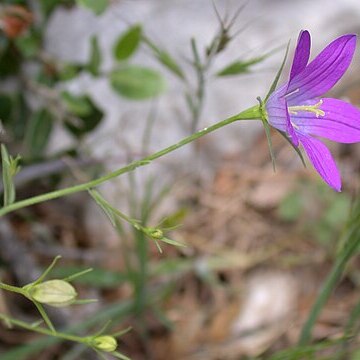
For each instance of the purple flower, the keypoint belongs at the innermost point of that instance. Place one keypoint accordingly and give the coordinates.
(299, 109)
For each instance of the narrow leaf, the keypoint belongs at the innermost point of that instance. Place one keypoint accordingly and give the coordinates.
(165, 59)
(277, 77)
(95, 57)
(38, 132)
(10, 168)
(172, 242)
(104, 206)
(241, 67)
(294, 147)
(268, 137)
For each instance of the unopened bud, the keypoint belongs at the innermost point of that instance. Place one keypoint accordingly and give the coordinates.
(105, 343)
(156, 234)
(56, 293)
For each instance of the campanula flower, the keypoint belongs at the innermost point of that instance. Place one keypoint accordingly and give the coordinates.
(299, 109)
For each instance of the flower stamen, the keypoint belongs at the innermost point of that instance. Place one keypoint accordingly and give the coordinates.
(310, 108)
(292, 93)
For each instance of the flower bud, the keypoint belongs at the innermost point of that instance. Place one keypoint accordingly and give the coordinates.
(56, 293)
(155, 233)
(105, 343)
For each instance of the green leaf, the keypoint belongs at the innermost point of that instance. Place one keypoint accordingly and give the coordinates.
(128, 43)
(241, 67)
(137, 83)
(69, 71)
(48, 6)
(350, 241)
(104, 206)
(87, 114)
(165, 59)
(99, 278)
(78, 105)
(96, 6)
(277, 77)
(38, 132)
(120, 356)
(10, 167)
(28, 44)
(268, 137)
(172, 242)
(284, 135)
(238, 67)
(169, 62)
(95, 57)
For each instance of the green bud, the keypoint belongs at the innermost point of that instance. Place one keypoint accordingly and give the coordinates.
(155, 233)
(105, 343)
(56, 293)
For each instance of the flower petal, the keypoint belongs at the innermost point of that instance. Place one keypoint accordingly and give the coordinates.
(323, 72)
(276, 109)
(278, 114)
(322, 160)
(289, 127)
(341, 122)
(302, 54)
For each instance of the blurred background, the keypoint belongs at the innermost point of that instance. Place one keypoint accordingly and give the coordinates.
(88, 86)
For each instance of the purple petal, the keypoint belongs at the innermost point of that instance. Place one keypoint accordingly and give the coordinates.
(289, 127)
(341, 122)
(323, 72)
(276, 109)
(278, 114)
(302, 53)
(322, 160)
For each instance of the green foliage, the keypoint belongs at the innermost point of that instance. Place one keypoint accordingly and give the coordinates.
(350, 245)
(95, 57)
(69, 71)
(98, 278)
(137, 83)
(48, 6)
(329, 212)
(305, 352)
(13, 114)
(242, 66)
(128, 43)
(38, 132)
(96, 6)
(10, 167)
(29, 44)
(278, 74)
(165, 59)
(87, 115)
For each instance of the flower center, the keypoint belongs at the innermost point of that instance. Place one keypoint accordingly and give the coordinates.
(309, 108)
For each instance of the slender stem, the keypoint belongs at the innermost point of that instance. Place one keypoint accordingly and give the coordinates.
(11, 288)
(42, 330)
(45, 316)
(330, 283)
(249, 114)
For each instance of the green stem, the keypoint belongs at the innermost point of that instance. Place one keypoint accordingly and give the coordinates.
(43, 331)
(11, 288)
(336, 272)
(249, 114)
